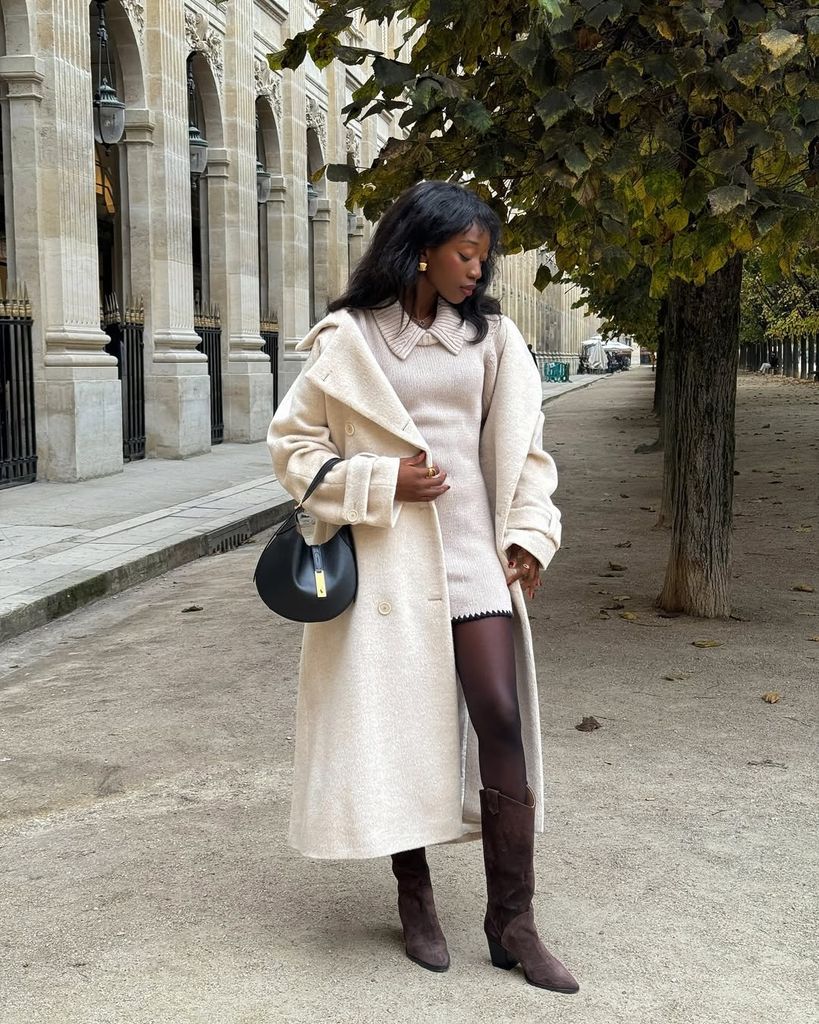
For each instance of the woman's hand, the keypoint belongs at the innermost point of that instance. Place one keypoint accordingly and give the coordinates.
(524, 567)
(415, 483)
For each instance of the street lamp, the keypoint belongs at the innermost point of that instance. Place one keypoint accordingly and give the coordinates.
(197, 143)
(109, 110)
(264, 183)
(312, 200)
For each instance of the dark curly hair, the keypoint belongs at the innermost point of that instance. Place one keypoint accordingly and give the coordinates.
(425, 215)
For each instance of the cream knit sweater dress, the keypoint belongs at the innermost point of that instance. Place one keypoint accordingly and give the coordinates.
(445, 382)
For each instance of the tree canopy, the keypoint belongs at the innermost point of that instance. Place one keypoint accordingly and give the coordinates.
(656, 138)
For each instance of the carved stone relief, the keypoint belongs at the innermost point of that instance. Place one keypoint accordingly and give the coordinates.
(135, 10)
(201, 38)
(317, 120)
(268, 84)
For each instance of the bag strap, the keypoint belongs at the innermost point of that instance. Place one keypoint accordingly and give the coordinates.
(322, 473)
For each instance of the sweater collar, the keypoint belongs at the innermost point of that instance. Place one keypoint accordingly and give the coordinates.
(402, 334)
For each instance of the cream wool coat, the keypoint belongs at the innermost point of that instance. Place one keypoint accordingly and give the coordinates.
(385, 758)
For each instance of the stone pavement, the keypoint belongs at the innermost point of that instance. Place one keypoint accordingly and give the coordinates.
(146, 766)
(63, 545)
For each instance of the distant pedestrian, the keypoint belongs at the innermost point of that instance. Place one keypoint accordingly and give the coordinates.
(773, 359)
(425, 391)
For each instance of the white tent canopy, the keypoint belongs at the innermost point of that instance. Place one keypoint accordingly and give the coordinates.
(593, 350)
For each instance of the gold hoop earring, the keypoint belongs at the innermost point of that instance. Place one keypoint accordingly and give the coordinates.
(422, 266)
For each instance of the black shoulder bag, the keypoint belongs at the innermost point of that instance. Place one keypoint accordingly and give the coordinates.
(307, 582)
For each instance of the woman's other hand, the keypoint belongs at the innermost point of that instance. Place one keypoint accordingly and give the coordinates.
(415, 483)
(525, 567)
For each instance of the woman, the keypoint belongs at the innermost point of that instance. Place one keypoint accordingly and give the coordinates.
(425, 687)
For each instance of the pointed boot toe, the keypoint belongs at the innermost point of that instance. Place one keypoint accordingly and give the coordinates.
(521, 943)
(424, 940)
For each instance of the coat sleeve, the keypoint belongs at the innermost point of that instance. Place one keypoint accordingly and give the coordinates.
(534, 519)
(360, 490)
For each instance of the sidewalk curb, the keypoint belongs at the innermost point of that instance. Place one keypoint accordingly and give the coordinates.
(88, 586)
(578, 386)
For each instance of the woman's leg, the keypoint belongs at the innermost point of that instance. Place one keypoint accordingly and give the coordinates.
(485, 659)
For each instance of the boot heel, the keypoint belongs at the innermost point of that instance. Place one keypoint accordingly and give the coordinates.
(499, 956)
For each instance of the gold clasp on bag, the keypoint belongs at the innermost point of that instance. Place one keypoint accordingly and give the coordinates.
(321, 589)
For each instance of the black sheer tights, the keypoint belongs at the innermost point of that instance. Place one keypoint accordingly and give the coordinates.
(485, 659)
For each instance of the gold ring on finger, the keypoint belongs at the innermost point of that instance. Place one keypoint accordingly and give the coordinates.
(432, 471)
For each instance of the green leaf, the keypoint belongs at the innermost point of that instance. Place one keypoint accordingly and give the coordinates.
(750, 134)
(781, 45)
(726, 198)
(625, 80)
(474, 114)
(553, 106)
(586, 87)
(340, 172)
(663, 184)
(746, 65)
(609, 9)
(575, 159)
(392, 72)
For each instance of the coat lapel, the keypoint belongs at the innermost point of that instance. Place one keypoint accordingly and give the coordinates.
(347, 370)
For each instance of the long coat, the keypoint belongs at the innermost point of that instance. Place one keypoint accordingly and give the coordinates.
(385, 757)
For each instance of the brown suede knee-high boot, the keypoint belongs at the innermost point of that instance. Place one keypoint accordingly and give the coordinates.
(508, 852)
(423, 939)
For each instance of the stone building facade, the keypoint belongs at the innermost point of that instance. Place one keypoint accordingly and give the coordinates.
(159, 304)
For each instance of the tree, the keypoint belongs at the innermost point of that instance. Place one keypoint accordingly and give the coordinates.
(664, 139)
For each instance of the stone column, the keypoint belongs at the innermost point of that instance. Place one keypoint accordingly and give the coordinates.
(357, 242)
(177, 386)
(294, 317)
(321, 256)
(78, 394)
(247, 381)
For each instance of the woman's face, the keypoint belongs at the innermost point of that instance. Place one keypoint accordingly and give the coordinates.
(454, 268)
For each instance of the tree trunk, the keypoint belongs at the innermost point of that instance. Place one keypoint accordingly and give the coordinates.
(668, 414)
(659, 366)
(703, 327)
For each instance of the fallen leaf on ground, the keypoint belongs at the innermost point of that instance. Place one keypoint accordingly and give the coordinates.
(603, 614)
(815, 639)
(674, 676)
(707, 643)
(629, 616)
(622, 597)
(623, 544)
(616, 567)
(192, 608)
(589, 724)
(613, 607)
(647, 508)
(766, 763)
(804, 588)
(771, 697)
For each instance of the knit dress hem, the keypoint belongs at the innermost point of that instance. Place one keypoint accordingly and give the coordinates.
(481, 615)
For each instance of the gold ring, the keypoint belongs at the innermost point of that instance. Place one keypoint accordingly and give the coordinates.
(432, 471)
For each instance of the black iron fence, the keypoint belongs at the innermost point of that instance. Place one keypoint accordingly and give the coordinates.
(18, 440)
(208, 325)
(794, 357)
(270, 333)
(126, 330)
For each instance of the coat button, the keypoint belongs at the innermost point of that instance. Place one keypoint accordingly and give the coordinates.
(352, 516)
(349, 429)
(384, 608)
